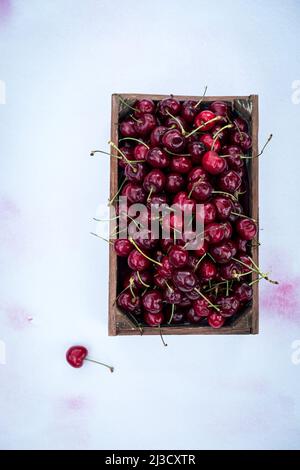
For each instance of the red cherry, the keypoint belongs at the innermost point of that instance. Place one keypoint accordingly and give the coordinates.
(172, 295)
(174, 182)
(152, 301)
(228, 305)
(180, 164)
(168, 105)
(216, 320)
(200, 191)
(157, 158)
(202, 120)
(137, 262)
(246, 228)
(212, 163)
(134, 192)
(201, 307)
(242, 139)
(127, 128)
(139, 152)
(220, 108)
(76, 355)
(230, 181)
(153, 319)
(214, 233)
(154, 181)
(128, 303)
(135, 172)
(156, 135)
(178, 256)
(123, 247)
(144, 106)
(173, 141)
(209, 142)
(243, 292)
(207, 270)
(189, 110)
(222, 253)
(145, 124)
(166, 269)
(196, 150)
(210, 212)
(192, 317)
(223, 206)
(185, 279)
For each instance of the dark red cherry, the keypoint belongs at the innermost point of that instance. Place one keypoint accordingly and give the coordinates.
(234, 160)
(127, 128)
(185, 301)
(156, 200)
(212, 163)
(201, 250)
(223, 206)
(174, 182)
(220, 108)
(135, 172)
(123, 247)
(214, 233)
(241, 245)
(166, 269)
(180, 164)
(156, 135)
(178, 256)
(157, 158)
(200, 191)
(176, 316)
(166, 244)
(220, 133)
(216, 320)
(168, 105)
(196, 150)
(152, 301)
(192, 317)
(137, 262)
(207, 270)
(127, 152)
(237, 209)
(201, 307)
(203, 119)
(233, 246)
(242, 139)
(154, 181)
(240, 124)
(197, 174)
(144, 106)
(134, 192)
(222, 253)
(210, 143)
(129, 303)
(145, 124)
(185, 279)
(172, 295)
(246, 228)
(210, 212)
(173, 141)
(189, 110)
(140, 279)
(153, 319)
(229, 271)
(228, 305)
(140, 151)
(176, 123)
(229, 181)
(227, 227)
(243, 292)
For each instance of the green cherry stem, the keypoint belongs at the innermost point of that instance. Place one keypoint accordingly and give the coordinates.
(101, 363)
(136, 140)
(201, 99)
(142, 253)
(207, 300)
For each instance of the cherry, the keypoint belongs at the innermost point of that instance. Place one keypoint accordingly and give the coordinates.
(180, 164)
(223, 206)
(192, 262)
(176, 315)
(185, 279)
(237, 209)
(76, 355)
(229, 270)
(207, 270)
(127, 155)
(233, 246)
(246, 228)
(176, 123)
(220, 108)
(227, 227)
(189, 110)
(154, 181)
(174, 182)
(214, 233)
(172, 295)
(144, 240)
(242, 139)
(228, 305)
(156, 200)
(201, 307)
(157, 158)
(216, 320)
(185, 301)
(173, 141)
(234, 159)
(135, 172)
(166, 269)
(140, 151)
(156, 135)
(152, 301)
(240, 124)
(200, 191)
(212, 163)
(222, 253)
(145, 124)
(192, 317)
(182, 200)
(134, 192)
(168, 106)
(140, 280)
(210, 143)
(202, 119)
(201, 250)
(137, 262)
(144, 106)
(230, 181)
(152, 319)
(129, 303)
(197, 174)
(127, 128)
(210, 212)
(220, 133)
(196, 150)
(122, 247)
(241, 245)
(178, 256)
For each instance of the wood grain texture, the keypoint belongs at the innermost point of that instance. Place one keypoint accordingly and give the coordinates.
(248, 321)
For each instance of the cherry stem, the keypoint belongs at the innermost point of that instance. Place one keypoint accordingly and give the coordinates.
(211, 257)
(117, 193)
(176, 154)
(126, 104)
(105, 153)
(255, 281)
(136, 140)
(207, 300)
(106, 220)
(121, 153)
(150, 193)
(136, 323)
(256, 270)
(242, 215)
(101, 363)
(178, 122)
(172, 313)
(102, 238)
(131, 285)
(226, 194)
(219, 132)
(142, 253)
(199, 261)
(201, 99)
(217, 118)
(161, 336)
(141, 280)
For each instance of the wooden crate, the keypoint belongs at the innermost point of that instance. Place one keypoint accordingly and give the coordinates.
(247, 322)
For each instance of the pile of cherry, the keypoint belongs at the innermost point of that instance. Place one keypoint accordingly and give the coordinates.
(186, 153)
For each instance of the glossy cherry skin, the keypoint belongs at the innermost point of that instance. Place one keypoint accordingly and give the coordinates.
(172, 295)
(192, 317)
(229, 271)
(145, 124)
(243, 292)
(123, 247)
(139, 279)
(157, 158)
(156, 200)
(246, 228)
(228, 305)
(183, 202)
(223, 206)
(178, 314)
(173, 141)
(216, 320)
(152, 301)
(237, 208)
(144, 106)
(76, 356)
(242, 139)
(127, 128)
(219, 108)
(153, 319)
(203, 118)
(139, 152)
(134, 192)
(154, 181)
(189, 110)
(212, 163)
(240, 124)
(229, 181)
(178, 256)
(156, 135)
(196, 150)
(197, 174)
(137, 262)
(174, 182)
(131, 304)
(180, 164)
(185, 279)
(222, 253)
(234, 160)
(207, 270)
(227, 227)
(166, 269)
(241, 245)
(127, 152)
(201, 307)
(176, 123)
(159, 281)
(214, 233)
(200, 191)
(135, 172)
(168, 105)
(210, 212)
(201, 250)
(210, 143)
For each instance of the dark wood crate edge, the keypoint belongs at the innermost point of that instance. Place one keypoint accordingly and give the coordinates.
(113, 311)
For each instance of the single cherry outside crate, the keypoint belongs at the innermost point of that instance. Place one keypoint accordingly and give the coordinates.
(247, 321)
